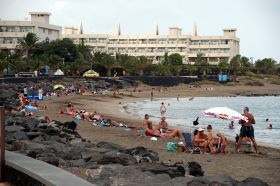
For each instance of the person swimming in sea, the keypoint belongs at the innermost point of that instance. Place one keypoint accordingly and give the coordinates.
(268, 124)
(231, 125)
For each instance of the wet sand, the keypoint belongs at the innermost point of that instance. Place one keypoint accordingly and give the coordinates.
(265, 166)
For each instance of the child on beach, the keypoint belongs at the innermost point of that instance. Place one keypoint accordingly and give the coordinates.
(210, 139)
(223, 141)
(162, 109)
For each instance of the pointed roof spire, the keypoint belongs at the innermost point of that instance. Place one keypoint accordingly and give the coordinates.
(156, 30)
(194, 31)
(81, 30)
(118, 29)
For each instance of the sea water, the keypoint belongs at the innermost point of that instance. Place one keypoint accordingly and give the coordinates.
(182, 113)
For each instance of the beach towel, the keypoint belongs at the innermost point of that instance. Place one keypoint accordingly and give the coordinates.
(29, 107)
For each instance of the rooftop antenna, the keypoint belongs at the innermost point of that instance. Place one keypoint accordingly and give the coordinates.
(81, 31)
(118, 29)
(156, 30)
(194, 31)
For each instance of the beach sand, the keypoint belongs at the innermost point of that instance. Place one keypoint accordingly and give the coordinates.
(265, 166)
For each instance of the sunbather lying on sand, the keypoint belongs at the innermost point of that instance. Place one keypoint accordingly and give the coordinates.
(163, 128)
(154, 131)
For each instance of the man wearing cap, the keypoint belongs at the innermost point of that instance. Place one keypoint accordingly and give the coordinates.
(200, 139)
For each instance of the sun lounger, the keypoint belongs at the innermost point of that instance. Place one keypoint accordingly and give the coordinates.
(189, 144)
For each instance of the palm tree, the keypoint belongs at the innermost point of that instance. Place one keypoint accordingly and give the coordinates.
(141, 64)
(235, 65)
(109, 63)
(28, 43)
(223, 66)
(201, 63)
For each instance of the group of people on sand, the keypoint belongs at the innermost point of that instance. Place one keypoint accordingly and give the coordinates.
(215, 142)
(161, 130)
(93, 117)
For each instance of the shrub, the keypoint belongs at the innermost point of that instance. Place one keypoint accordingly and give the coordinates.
(275, 81)
(254, 83)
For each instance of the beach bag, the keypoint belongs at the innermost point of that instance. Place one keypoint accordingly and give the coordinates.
(77, 117)
(171, 147)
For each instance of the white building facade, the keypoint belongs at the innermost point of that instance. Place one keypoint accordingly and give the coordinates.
(214, 48)
(11, 32)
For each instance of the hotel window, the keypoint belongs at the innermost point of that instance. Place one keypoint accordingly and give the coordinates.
(132, 41)
(123, 41)
(172, 41)
(152, 41)
(131, 50)
(182, 41)
(151, 49)
(195, 42)
(25, 29)
(161, 49)
(204, 51)
(122, 50)
(204, 42)
(171, 49)
(103, 40)
(8, 40)
(142, 41)
(162, 41)
(11, 29)
(141, 50)
(92, 40)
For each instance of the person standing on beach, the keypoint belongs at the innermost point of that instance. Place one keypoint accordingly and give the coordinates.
(152, 95)
(247, 130)
(178, 97)
(162, 109)
(40, 93)
(25, 91)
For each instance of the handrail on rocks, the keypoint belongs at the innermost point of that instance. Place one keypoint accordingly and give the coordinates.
(44, 173)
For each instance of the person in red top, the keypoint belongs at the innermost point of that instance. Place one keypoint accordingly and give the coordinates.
(247, 130)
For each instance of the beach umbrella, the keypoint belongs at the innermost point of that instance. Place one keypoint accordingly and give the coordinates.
(59, 86)
(224, 113)
(91, 73)
(58, 72)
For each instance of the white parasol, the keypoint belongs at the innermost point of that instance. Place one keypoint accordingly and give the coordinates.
(224, 113)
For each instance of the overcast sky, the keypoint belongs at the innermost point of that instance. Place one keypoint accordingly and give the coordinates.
(257, 21)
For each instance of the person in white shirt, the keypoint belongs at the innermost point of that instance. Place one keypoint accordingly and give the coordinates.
(162, 109)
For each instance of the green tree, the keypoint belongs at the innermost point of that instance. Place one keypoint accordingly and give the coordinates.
(235, 65)
(201, 63)
(64, 48)
(266, 65)
(223, 66)
(109, 62)
(245, 64)
(175, 59)
(141, 64)
(126, 62)
(28, 43)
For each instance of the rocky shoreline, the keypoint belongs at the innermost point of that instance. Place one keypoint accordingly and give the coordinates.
(103, 163)
(100, 163)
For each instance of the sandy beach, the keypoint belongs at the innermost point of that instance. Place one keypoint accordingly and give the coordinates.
(265, 165)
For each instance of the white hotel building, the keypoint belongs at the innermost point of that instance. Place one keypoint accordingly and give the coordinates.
(215, 48)
(11, 31)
